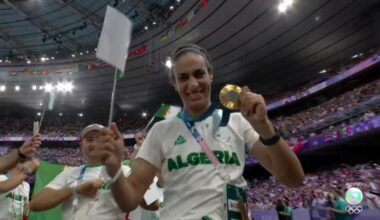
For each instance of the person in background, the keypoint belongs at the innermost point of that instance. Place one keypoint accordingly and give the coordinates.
(14, 190)
(287, 210)
(339, 209)
(139, 139)
(280, 208)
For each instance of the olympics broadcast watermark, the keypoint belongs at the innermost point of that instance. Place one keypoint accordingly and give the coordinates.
(354, 197)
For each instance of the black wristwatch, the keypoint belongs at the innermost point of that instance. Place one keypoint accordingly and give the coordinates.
(273, 140)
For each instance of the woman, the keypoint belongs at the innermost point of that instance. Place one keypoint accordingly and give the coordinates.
(194, 189)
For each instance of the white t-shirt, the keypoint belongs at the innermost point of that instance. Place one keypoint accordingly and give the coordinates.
(12, 202)
(193, 188)
(103, 207)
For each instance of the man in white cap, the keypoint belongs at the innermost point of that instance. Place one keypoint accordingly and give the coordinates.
(84, 191)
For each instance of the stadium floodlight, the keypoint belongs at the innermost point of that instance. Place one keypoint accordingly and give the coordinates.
(48, 87)
(41, 88)
(64, 87)
(17, 88)
(34, 87)
(282, 7)
(168, 63)
(3, 88)
(38, 113)
(288, 2)
(80, 114)
(323, 71)
(144, 114)
(60, 114)
(68, 86)
(60, 87)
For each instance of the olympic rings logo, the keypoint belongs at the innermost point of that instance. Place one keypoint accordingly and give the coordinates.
(354, 209)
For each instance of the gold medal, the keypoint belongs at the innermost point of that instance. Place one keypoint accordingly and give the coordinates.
(229, 96)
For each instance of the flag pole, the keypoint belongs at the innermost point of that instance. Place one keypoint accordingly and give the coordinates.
(150, 122)
(112, 98)
(42, 117)
(47, 103)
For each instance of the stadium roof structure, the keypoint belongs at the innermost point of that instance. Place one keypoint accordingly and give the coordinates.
(250, 41)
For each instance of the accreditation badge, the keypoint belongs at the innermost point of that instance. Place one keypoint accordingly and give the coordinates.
(235, 202)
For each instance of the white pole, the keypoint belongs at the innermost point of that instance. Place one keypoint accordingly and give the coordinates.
(112, 98)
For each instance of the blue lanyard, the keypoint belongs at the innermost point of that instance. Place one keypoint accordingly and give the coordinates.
(198, 138)
(190, 121)
(82, 171)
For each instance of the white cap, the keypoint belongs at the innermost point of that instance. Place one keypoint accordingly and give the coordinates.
(93, 127)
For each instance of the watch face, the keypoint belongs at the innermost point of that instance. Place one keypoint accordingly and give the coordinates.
(229, 96)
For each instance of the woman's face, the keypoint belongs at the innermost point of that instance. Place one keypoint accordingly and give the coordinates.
(193, 82)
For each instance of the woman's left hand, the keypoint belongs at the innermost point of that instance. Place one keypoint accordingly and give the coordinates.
(254, 110)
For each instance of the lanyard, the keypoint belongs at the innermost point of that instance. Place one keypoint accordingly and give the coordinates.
(79, 178)
(83, 171)
(81, 174)
(189, 122)
(75, 200)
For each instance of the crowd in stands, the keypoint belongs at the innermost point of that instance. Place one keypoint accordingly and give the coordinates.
(335, 131)
(65, 125)
(68, 156)
(319, 189)
(71, 156)
(292, 124)
(325, 75)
